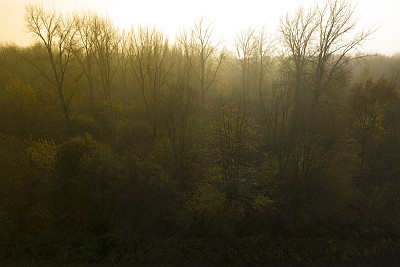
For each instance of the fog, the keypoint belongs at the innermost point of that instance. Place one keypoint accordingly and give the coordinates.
(230, 17)
(221, 134)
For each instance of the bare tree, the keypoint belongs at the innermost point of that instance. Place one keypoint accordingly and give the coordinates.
(297, 32)
(264, 50)
(150, 65)
(122, 58)
(57, 34)
(105, 41)
(336, 43)
(204, 57)
(180, 113)
(246, 46)
(277, 108)
(85, 51)
(321, 43)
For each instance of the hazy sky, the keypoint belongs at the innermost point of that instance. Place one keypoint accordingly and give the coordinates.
(229, 16)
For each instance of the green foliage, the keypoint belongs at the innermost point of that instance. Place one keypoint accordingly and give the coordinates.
(86, 172)
(147, 197)
(372, 122)
(262, 203)
(369, 102)
(209, 212)
(20, 110)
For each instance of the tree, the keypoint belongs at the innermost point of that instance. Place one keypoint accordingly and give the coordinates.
(277, 106)
(105, 42)
(335, 44)
(234, 143)
(19, 107)
(263, 52)
(369, 103)
(321, 44)
(372, 137)
(204, 58)
(123, 64)
(85, 50)
(150, 64)
(297, 32)
(246, 46)
(180, 115)
(86, 173)
(57, 34)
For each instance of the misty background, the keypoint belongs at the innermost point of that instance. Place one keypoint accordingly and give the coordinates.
(230, 17)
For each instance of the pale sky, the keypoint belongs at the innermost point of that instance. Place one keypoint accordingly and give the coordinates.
(229, 16)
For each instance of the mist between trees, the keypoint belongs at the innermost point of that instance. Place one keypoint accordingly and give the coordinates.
(120, 134)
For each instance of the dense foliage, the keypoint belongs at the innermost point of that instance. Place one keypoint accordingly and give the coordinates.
(125, 147)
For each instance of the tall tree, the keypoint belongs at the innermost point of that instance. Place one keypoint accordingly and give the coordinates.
(337, 41)
(205, 59)
(263, 55)
(105, 41)
(297, 32)
(180, 114)
(150, 65)
(85, 51)
(246, 46)
(57, 34)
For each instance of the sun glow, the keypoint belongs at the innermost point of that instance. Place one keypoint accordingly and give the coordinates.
(169, 17)
(173, 16)
(230, 17)
(122, 13)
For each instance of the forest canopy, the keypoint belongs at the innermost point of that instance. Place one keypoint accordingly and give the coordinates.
(115, 141)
